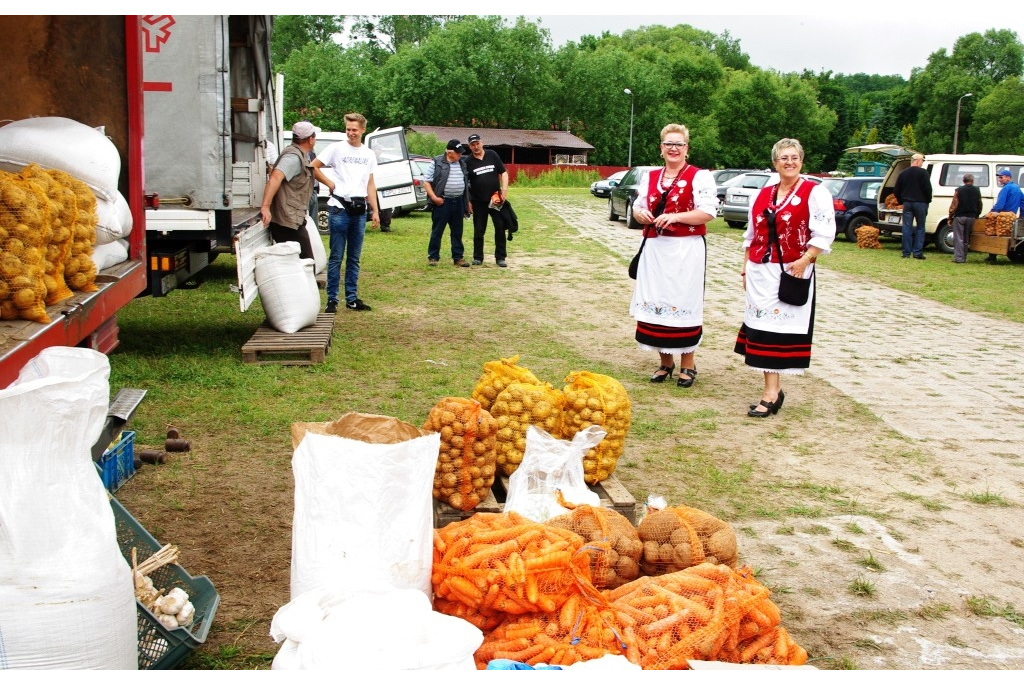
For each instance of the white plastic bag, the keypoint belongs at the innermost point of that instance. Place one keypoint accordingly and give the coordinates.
(392, 630)
(317, 241)
(59, 143)
(67, 600)
(106, 256)
(287, 287)
(113, 219)
(363, 516)
(550, 465)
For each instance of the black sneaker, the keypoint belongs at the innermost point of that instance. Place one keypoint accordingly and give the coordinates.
(357, 305)
(332, 307)
(502, 263)
(478, 262)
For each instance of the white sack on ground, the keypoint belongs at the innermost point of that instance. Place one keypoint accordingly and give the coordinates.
(113, 219)
(319, 251)
(59, 143)
(287, 287)
(67, 600)
(106, 256)
(393, 630)
(363, 517)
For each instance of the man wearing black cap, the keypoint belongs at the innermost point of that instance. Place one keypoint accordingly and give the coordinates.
(487, 176)
(448, 191)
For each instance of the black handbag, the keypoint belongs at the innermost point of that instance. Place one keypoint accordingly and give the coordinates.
(634, 263)
(792, 290)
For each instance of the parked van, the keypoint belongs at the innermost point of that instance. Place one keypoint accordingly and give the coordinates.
(394, 177)
(947, 174)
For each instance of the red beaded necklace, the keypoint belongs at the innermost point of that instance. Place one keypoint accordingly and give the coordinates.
(774, 203)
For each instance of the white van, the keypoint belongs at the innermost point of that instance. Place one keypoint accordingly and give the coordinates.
(947, 174)
(394, 177)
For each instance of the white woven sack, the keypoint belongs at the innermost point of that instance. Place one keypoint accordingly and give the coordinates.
(319, 251)
(287, 287)
(106, 256)
(66, 593)
(65, 144)
(114, 219)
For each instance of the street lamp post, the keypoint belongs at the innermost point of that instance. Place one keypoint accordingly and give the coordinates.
(628, 92)
(956, 131)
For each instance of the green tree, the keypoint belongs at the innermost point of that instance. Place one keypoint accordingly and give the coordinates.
(998, 126)
(324, 81)
(386, 33)
(292, 31)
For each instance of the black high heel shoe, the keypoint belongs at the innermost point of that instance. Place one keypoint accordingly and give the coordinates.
(686, 377)
(656, 378)
(770, 407)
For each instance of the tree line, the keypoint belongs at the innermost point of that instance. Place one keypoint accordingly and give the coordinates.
(483, 71)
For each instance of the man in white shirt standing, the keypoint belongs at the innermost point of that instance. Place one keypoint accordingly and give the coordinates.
(353, 194)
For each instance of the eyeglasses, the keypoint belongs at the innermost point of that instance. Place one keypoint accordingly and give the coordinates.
(672, 143)
(788, 158)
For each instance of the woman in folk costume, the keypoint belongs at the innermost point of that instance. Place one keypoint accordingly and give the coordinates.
(674, 204)
(775, 337)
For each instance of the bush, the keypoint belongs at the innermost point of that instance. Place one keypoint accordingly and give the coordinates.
(558, 177)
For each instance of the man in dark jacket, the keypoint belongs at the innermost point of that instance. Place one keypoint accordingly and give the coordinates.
(914, 191)
(963, 210)
(448, 190)
(487, 176)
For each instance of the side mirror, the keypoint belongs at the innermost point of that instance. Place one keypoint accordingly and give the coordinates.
(612, 184)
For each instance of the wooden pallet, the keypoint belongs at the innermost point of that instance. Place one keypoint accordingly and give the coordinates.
(308, 346)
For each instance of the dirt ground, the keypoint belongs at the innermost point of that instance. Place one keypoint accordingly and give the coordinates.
(924, 444)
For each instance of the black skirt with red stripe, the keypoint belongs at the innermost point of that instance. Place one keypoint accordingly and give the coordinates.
(668, 337)
(775, 351)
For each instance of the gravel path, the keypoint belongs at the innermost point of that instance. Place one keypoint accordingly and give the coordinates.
(928, 370)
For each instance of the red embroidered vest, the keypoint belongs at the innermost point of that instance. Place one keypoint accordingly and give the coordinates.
(679, 199)
(791, 223)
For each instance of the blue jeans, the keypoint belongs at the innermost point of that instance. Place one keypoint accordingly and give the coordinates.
(451, 213)
(346, 232)
(913, 238)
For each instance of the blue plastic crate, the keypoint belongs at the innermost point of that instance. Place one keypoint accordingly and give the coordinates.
(117, 464)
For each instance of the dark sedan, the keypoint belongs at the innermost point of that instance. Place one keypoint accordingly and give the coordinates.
(620, 202)
(855, 202)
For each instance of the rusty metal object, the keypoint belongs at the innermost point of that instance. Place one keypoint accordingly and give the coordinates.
(177, 445)
(152, 456)
(173, 433)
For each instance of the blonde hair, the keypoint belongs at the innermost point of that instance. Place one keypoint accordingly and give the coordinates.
(356, 117)
(676, 128)
(786, 143)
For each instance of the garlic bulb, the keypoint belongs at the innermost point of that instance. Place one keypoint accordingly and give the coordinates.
(172, 602)
(185, 615)
(167, 621)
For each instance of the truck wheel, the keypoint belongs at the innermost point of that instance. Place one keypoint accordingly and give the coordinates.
(736, 224)
(631, 221)
(855, 223)
(944, 238)
(612, 216)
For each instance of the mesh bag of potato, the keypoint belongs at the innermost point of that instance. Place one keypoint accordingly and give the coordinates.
(891, 202)
(592, 399)
(676, 538)
(709, 612)
(580, 630)
(497, 564)
(25, 232)
(612, 542)
(1002, 227)
(521, 405)
(497, 376)
(466, 459)
(867, 238)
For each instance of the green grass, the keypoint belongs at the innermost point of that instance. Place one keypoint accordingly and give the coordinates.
(861, 587)
(987, 498)
(987, 606)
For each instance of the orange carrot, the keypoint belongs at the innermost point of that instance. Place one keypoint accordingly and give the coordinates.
(751, 648)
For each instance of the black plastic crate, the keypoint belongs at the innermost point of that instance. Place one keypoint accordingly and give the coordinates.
(160, 648)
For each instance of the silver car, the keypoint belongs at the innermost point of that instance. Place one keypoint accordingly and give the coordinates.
(744, 190)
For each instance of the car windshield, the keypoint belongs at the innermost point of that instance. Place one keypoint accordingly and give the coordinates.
(734, 181)
(834, 185)
(753, 180)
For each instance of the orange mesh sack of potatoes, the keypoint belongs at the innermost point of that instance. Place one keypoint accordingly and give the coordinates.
(68, 204)
(612, 542)
(519, 406)
(80, 269)
(708, 612)
(1004, 222)
(867, 238)
(676, 538)
(24, 235)
(497, 376)
(497, 564)
(592, 399)
(466, 459)
(891, 202)
(581, 630)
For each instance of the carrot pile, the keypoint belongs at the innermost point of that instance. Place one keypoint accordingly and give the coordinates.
(709, 612)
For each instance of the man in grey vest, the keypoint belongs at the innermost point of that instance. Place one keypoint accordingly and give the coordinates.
(963, 210)
(286, 197)
(448, 190)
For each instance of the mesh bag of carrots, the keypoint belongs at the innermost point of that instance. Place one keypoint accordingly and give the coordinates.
(708, 612)
(676, 538)
(612, 542)
(497, 376)
(593, 399)
(521, 405)
(466, 458)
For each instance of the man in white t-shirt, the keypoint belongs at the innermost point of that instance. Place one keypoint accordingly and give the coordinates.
(353, 195)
